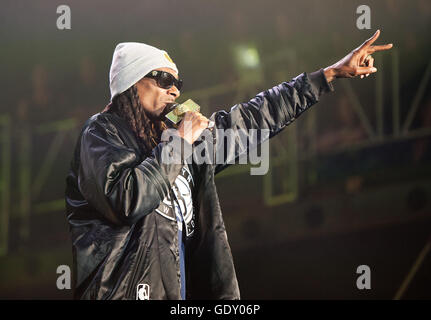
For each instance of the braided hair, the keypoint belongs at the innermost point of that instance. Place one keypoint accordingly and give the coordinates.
(127, 106)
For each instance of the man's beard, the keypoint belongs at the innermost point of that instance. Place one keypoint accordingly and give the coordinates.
(162, 115)
(160, 121)
(154, 117)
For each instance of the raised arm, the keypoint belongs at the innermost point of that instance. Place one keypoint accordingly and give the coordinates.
(271, 110)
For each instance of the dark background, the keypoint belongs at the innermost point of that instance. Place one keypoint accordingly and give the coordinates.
(349, 182)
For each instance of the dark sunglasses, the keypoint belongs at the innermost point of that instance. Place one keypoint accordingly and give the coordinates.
(165, 80)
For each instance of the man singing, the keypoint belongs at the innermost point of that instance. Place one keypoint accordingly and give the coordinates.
(143, 228)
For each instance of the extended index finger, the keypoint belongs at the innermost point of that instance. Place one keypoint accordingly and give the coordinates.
(370, 41)
(380, 47)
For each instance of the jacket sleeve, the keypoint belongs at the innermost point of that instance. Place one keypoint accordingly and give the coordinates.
(115, 181)
(271, 110)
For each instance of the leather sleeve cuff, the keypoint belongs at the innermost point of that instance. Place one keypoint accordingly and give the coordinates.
(318, 80)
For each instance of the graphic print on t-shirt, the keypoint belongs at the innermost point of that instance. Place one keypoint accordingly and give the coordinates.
(182, 188)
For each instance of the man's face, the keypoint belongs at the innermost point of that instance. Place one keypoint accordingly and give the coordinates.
(153, 98)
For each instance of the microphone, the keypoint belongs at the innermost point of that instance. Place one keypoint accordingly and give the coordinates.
(175, 111)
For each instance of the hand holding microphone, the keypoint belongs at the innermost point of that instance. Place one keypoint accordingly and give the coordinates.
(191, 122)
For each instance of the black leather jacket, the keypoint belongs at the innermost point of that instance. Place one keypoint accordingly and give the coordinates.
(112, 191)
